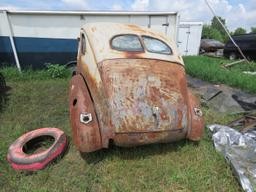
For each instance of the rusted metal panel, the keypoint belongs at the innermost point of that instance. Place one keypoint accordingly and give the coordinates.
(88, 68)
(135, 139)
(145, 95)
(196, 129)
(85, 128)
(245, 123)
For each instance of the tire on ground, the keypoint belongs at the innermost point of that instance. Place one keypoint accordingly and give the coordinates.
(19, 160)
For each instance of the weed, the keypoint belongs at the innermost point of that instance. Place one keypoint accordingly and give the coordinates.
(56, 70)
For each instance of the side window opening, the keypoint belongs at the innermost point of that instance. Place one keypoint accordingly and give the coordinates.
(156, 46)
(83, 44)
(126, 42)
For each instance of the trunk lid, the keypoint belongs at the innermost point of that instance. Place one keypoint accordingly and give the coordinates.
(145, 95)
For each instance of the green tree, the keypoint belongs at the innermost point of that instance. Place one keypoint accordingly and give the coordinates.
(216, 24)
(215, 30)
(253, 29)
(240, 31)
(211, 33)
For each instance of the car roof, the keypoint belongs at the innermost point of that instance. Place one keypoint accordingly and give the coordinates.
(100, 34)
(250, 36)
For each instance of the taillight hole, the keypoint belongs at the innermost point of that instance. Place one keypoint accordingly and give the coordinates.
(74, 102)
(86, 118)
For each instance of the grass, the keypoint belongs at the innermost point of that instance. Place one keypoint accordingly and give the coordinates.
(52, 72)
(210, 69)
(181, 166)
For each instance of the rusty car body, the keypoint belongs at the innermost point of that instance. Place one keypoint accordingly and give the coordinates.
(130, 88)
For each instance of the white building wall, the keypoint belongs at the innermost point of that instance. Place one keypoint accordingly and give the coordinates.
(189, 37)
(50, 36)
(67, 24)
(3, 25)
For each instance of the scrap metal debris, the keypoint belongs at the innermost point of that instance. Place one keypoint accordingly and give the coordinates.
(222, 98)
(233, 63)
(245, 104)
(239, 150)
(210, 93)
(245, 123)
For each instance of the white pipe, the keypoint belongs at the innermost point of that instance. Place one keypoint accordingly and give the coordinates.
(12, 41)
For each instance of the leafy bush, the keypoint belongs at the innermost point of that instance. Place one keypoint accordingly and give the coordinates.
(56, 70)
(10, 72)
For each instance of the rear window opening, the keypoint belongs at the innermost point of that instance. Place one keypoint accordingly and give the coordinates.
(130, 42)
(156, 46)
(126, 43)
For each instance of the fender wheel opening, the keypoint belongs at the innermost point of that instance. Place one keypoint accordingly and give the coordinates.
(36, 149)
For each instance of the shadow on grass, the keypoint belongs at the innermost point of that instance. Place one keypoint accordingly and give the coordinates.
(138, 152)
(4, 89)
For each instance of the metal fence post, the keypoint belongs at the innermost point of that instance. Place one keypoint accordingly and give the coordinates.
(12, 41)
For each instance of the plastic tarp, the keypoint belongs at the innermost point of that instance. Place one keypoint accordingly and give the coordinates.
(240, 151)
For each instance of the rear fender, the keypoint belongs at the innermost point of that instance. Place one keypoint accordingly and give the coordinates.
(85, 127)
(197, 125)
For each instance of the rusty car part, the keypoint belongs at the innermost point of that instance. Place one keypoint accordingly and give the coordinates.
(85, 118)
(134, 97)
(198, 112)
(84, 123)
(20, 160)
(245, 123)
(196, 125)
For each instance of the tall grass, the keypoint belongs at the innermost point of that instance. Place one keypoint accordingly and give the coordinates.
(210, 69)
(52, 72)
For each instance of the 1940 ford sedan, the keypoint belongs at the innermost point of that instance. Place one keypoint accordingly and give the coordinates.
(130, 88)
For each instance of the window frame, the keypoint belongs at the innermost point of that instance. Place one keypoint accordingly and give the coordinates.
(145, 47)
(83, 43)
(126, 50)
